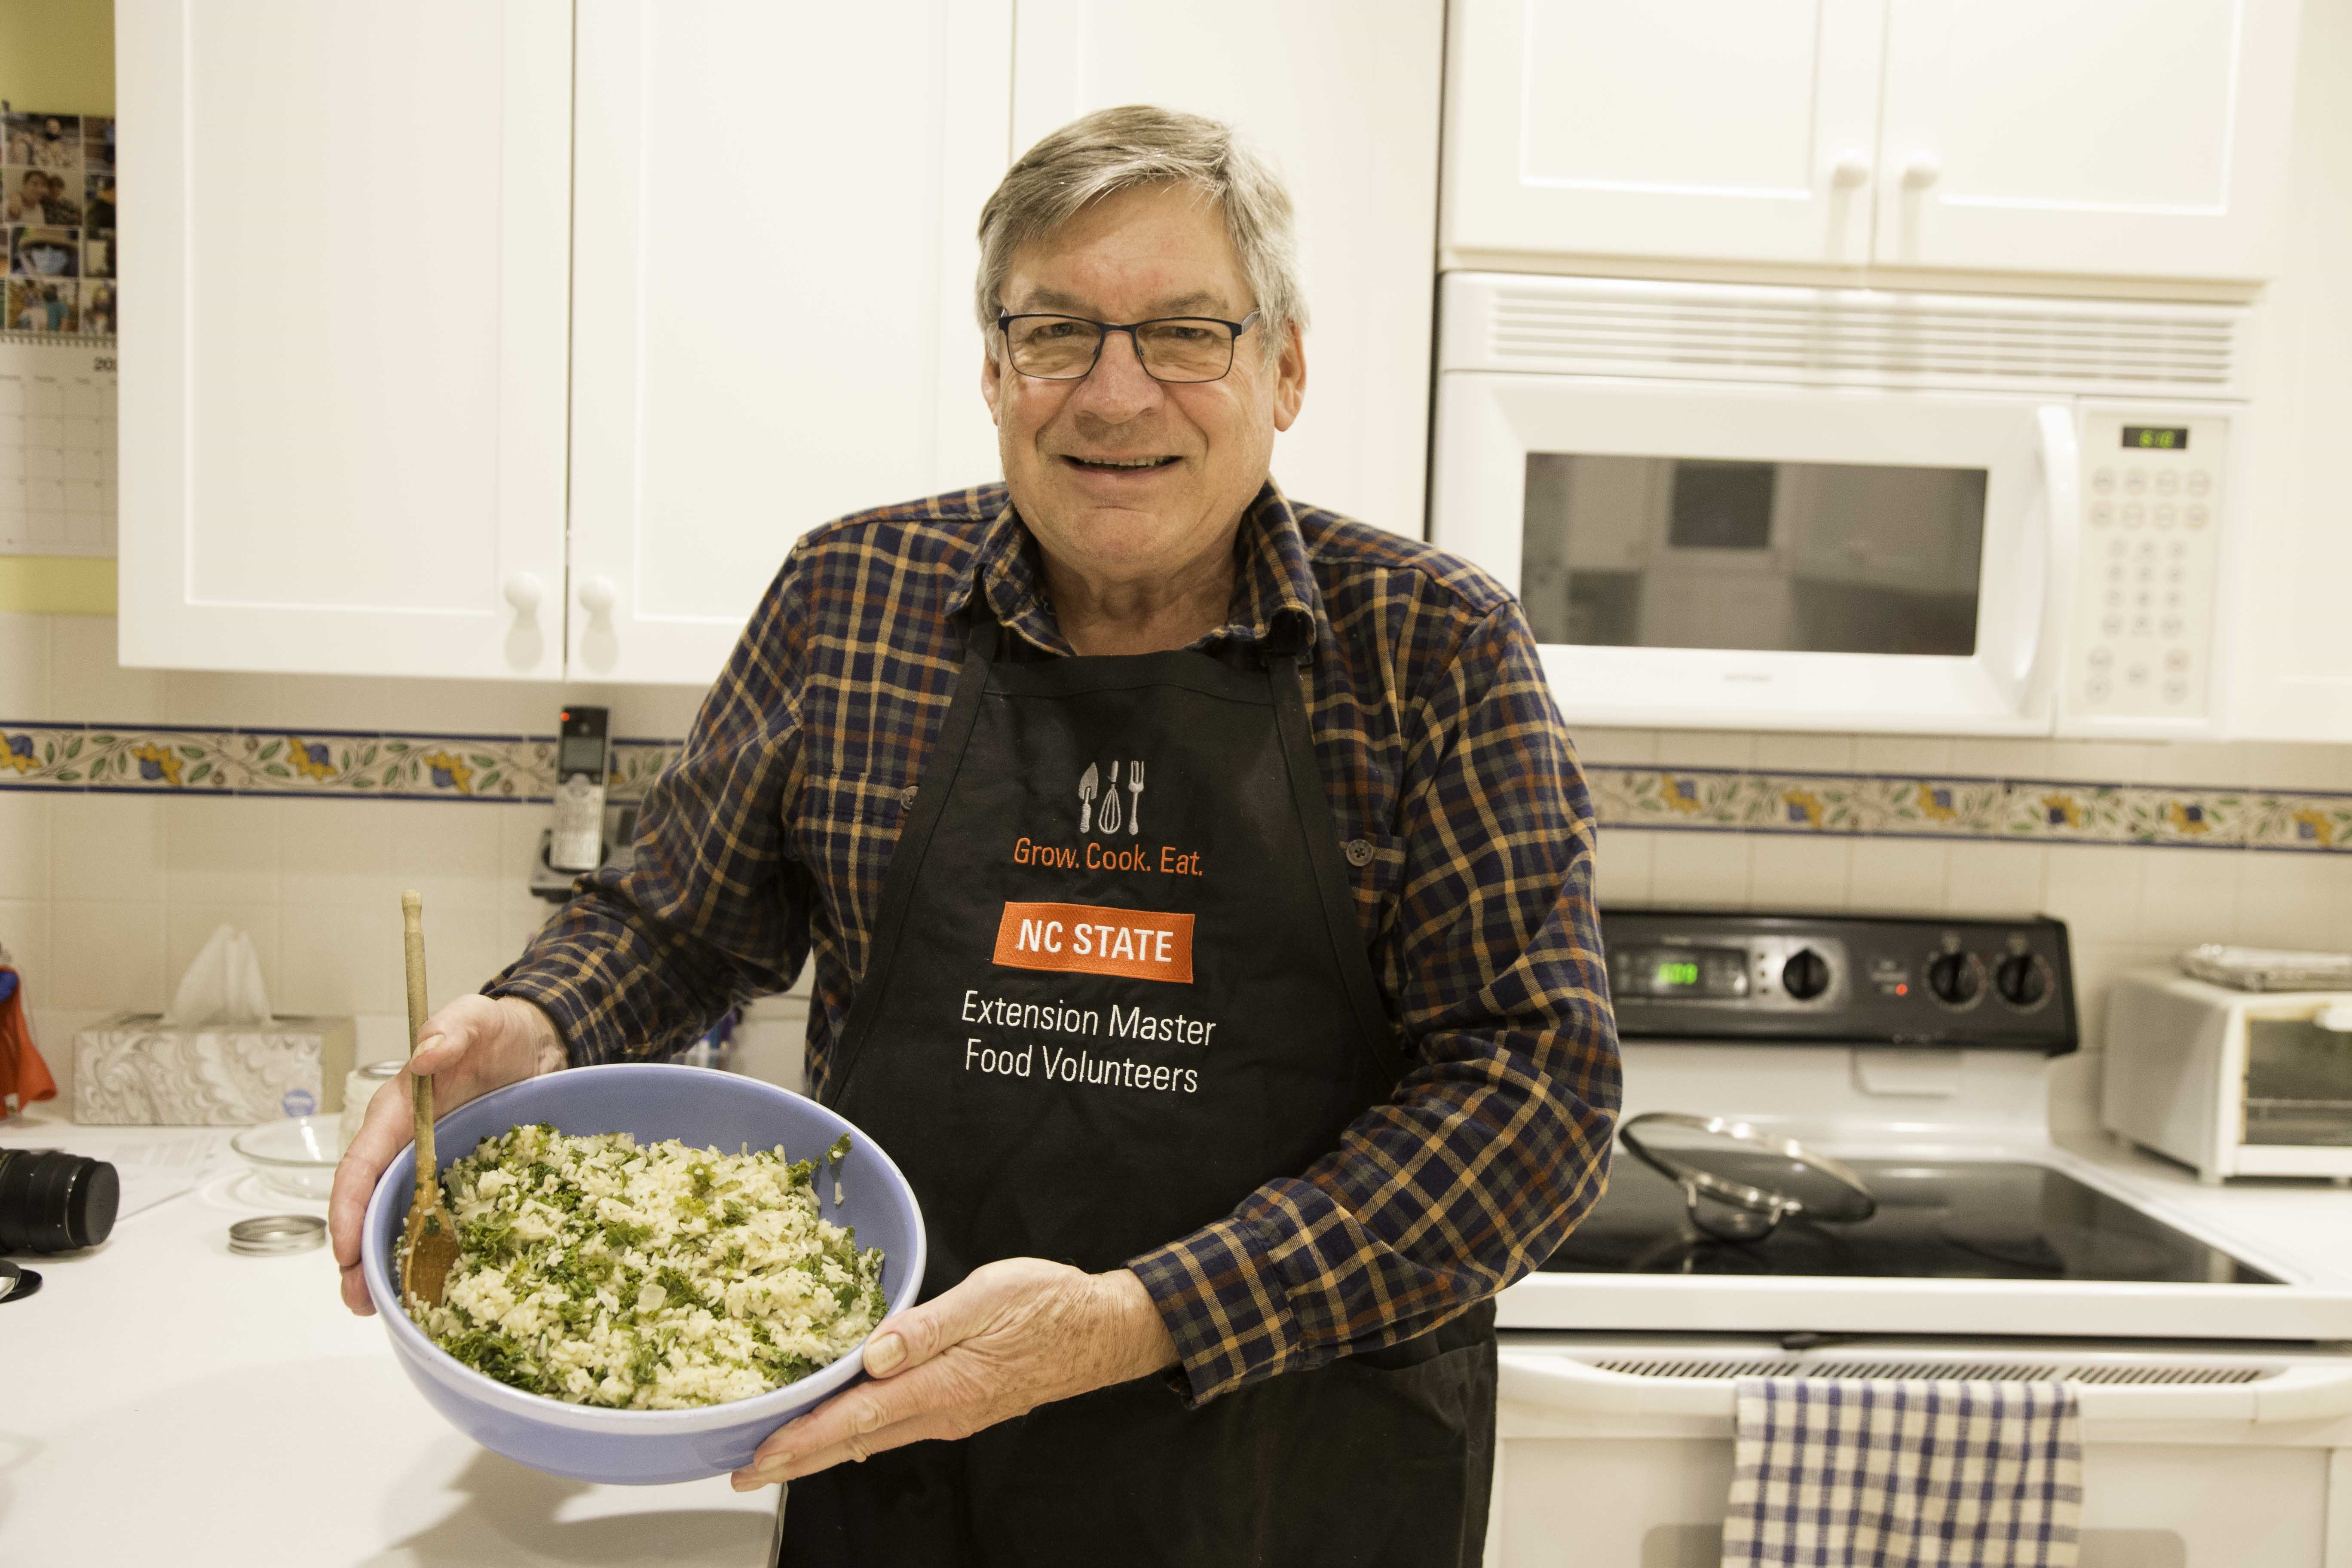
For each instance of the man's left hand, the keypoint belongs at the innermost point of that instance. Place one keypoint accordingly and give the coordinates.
(1012, 1336)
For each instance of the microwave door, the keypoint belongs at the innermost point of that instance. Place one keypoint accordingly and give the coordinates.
(1764, 556)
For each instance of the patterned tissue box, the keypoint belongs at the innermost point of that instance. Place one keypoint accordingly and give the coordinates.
(136, 1069)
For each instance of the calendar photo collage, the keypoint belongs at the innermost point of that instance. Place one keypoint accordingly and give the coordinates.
(56, 205)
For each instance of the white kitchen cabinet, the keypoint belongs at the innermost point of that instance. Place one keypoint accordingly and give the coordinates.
(1723, 130)
(1344, 97)
(343, 391)
(772, 318)
(2292, 680)
(2081, 136)
(471, 353)
(2024, 136)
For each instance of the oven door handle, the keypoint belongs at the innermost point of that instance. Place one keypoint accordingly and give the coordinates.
(1562, 1382)
(2303, 1394)
(1555, 1382)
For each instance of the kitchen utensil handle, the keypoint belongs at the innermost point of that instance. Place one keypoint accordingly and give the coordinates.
(412, 931)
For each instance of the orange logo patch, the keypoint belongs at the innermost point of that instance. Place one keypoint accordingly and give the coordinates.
(1088, 939)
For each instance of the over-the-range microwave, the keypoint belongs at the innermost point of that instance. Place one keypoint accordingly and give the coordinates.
(1766, 506)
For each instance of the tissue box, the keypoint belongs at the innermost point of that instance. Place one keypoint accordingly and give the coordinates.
(136, 1069)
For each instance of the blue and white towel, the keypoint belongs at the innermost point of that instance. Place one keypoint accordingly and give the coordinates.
(1904, 1474)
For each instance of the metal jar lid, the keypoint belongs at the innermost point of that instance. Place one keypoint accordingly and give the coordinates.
(384, 1069)
(276, 1233)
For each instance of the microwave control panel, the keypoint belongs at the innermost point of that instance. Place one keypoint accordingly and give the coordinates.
(2142, 643)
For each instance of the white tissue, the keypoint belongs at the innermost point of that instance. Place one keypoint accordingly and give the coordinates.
(222, 986)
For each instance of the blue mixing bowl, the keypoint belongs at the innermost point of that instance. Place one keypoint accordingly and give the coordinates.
(651, 1102)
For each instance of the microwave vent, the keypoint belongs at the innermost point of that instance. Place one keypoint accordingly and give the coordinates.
(1858, 336)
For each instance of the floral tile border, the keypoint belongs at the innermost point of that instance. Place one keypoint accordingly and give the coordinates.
(164, 758)
(1908, 806)
(196, 760)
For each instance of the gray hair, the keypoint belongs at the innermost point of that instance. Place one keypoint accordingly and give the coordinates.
(1115, 149)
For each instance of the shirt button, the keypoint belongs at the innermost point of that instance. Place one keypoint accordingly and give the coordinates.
(1360, 851)
(907, 795)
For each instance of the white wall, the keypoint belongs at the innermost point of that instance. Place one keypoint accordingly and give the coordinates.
(104, 899)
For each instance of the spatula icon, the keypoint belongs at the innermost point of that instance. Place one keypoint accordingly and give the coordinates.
(1089, 784)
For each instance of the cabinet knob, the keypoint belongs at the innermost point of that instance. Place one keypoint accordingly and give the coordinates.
(1852, 167)
(524, 591)
(597, 595)
(1922, 169)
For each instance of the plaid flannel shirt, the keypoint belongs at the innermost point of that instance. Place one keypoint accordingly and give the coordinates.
(1438, 744)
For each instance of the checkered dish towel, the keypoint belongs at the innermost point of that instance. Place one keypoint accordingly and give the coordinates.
(1904, 1474)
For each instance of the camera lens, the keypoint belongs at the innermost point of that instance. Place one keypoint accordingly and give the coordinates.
(51, 1200)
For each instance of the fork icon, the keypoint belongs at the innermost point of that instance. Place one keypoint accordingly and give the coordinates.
(1134, 795)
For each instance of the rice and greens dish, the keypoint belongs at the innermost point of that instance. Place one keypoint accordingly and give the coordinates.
(592, 1270)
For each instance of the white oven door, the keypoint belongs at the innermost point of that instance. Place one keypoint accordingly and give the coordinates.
(1771, 557)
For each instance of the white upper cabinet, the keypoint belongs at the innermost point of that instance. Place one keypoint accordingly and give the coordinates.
(772, 315)
(343, 391)
(2033, 136)
(1712, 129)
(462, 351)
(2293, 675)
(2084, 136)
(1343, 96)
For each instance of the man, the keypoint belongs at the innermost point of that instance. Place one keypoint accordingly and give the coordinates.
(1211, 1260)
(30, 204)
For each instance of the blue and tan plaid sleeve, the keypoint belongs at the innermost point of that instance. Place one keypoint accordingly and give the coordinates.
(1496, 1141)
(714, 912)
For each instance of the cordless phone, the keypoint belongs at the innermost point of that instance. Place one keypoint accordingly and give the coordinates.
(584, 756)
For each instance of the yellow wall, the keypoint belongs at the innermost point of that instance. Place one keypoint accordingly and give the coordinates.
(57, 55)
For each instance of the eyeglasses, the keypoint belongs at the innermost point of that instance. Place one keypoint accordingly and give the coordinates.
(1170, 348)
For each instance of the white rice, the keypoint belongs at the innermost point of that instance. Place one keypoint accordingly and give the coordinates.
(594, 1271)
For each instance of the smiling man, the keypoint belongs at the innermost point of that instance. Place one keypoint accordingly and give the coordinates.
(1200, 890)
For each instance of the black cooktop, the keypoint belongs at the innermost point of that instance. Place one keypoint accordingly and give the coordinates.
(1936, 1220)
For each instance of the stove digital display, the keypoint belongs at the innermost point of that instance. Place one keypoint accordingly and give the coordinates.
(1663, 971)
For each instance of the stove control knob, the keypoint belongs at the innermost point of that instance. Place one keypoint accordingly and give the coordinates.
(1956, 979)
(2023, 981)
(1806, 974)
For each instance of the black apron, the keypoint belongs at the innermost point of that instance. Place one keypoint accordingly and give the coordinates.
(1117, 985)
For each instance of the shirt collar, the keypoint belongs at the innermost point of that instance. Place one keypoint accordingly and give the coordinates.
(1275, 600)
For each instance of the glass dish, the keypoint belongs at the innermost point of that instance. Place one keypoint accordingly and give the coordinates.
(295, 1157)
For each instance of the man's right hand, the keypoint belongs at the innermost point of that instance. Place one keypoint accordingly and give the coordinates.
(469, 1047)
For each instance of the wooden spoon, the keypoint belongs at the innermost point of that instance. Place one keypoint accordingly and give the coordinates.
(432, 1230)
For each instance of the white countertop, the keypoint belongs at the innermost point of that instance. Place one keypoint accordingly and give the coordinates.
(2304, 1225)
(169, 1401)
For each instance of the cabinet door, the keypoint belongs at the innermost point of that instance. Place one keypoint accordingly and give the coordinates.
(771, 297)
(1343, 96)
(2291, 677)
(342, 404)
(1718, 129)
(2143, 140)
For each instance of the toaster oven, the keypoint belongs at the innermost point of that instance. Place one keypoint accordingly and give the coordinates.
(2231, 1083)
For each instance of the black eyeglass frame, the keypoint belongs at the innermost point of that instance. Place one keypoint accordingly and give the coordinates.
(1104, 329)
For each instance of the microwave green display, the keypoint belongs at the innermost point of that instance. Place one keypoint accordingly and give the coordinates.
(2156, 438)
(1677, 974)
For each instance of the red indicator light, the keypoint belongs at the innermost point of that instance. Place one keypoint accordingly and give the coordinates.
(1901, 990)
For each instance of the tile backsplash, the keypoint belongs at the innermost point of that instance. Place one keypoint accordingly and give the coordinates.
(297, 808)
